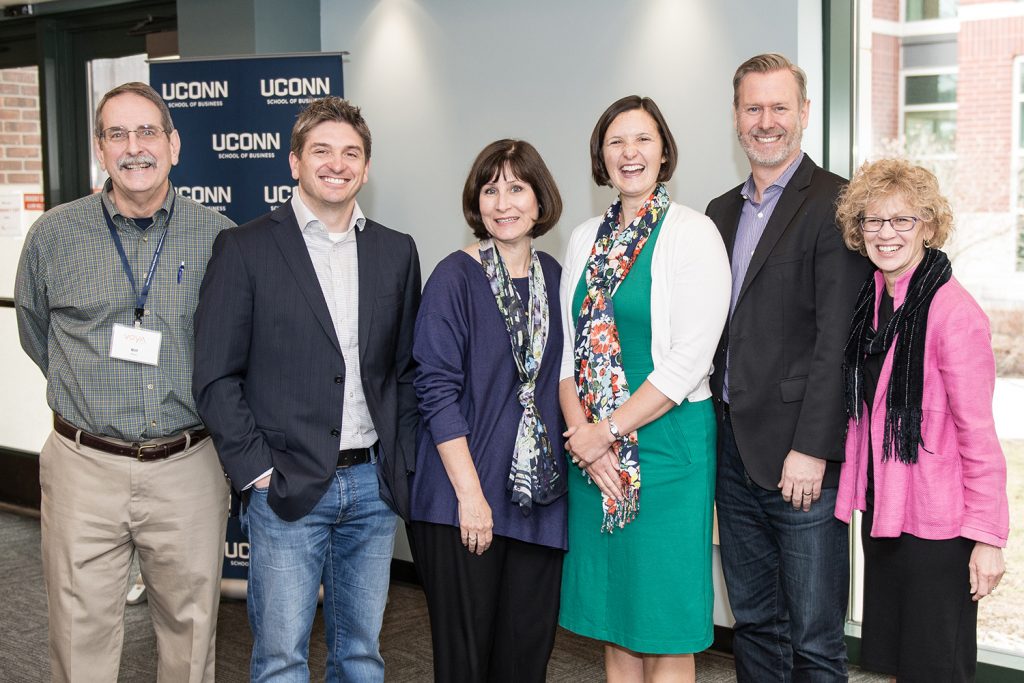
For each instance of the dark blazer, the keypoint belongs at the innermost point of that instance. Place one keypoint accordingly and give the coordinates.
(269, 378)
(788, 328)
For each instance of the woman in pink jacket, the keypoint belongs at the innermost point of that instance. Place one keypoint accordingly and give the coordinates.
(922, 458)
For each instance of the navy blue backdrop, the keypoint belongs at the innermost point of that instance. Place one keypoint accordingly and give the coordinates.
(235, 118)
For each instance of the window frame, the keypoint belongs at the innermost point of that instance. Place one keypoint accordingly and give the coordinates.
(60, 41)
(1017, 160)
(904, 108)
(994, 665)
(917, 22)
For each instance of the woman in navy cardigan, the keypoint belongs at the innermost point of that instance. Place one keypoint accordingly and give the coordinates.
(488, 507)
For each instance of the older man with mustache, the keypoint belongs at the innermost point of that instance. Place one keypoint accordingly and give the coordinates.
(105, 294)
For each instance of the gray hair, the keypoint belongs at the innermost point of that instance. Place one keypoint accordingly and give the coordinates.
(766, 64)
(142, 90)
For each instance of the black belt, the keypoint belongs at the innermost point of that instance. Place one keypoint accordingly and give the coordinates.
(355, 456)
(140, 451)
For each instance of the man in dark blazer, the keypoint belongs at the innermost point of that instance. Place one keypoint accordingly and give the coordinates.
(778, 389)
(303, 374)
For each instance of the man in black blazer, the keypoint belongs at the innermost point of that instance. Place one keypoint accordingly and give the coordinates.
(303, 373)
(778, 389)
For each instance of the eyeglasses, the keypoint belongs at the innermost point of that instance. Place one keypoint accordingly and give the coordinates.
(119, 134)
(898, 223)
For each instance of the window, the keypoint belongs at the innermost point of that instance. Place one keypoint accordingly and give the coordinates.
(929, 114)
(945, 92)
(919, 10)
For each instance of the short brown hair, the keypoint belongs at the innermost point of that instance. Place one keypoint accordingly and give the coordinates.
(629, 103)
(767, 63)
(879, 180)
(134, 88)
(525, 163)
(329, 108)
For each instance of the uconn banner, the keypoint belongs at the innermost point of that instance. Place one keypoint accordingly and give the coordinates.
(235, 118)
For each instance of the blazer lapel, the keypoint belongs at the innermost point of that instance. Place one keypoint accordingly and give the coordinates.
(289, 240)
(368, 255)
(730, 221)
(792, 199)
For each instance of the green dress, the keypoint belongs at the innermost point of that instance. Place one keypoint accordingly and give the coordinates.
(647, 586)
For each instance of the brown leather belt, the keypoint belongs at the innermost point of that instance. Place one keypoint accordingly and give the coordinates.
(144, 452)
(355, 456)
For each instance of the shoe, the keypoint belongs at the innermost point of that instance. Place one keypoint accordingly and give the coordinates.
(137, 593)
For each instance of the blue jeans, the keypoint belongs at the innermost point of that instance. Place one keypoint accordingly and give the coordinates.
(346, 542)
(787, 574)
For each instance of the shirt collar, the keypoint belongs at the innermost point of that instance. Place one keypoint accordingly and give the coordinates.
(108, 200)
(748, 190)
(307, 220)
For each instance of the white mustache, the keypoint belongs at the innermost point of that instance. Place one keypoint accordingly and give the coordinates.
(768, 132)
(140, 158)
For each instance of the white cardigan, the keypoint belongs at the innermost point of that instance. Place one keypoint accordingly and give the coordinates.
(690, 289)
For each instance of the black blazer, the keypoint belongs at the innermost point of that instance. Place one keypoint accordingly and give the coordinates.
(788, 328)
(269, 378)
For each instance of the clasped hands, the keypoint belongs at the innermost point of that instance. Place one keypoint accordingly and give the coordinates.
(593, 449)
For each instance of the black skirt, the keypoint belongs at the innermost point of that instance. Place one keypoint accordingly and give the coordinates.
(920, 623)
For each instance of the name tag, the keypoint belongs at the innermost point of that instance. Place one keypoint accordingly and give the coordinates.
(135, 344)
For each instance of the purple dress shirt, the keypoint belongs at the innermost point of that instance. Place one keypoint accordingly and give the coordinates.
(753, 218)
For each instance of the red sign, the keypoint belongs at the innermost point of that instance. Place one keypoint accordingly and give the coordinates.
(34, 202)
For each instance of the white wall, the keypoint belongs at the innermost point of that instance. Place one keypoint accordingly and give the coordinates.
(438, 80)
(25, 419)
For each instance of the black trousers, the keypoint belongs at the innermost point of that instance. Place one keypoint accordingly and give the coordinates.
(493, 616)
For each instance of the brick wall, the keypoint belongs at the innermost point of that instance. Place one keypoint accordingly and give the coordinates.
(885, 89)
(885, 77)
(984, 136)
(20, 143)
(886, 9)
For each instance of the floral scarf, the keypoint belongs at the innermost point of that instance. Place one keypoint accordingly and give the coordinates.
(534, 476)
(600, 379)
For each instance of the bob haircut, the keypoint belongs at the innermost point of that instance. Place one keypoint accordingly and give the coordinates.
(333, 109)
(770, 62)
(879, 180)
(523, 161)
(141, 90)
(629, 103)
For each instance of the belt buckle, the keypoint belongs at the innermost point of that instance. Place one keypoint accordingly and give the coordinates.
(140, 451)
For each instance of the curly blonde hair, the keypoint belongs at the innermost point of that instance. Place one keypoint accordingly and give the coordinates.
(879, 180)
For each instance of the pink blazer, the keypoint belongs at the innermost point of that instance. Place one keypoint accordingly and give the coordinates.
(958, 485)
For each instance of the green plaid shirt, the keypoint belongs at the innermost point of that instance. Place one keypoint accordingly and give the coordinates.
(70, 290)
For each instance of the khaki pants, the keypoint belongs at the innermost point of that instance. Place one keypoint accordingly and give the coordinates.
(97, 509)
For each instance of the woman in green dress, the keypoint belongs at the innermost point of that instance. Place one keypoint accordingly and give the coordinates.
(645, 290)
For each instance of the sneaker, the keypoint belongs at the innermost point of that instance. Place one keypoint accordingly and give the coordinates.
(137, 593)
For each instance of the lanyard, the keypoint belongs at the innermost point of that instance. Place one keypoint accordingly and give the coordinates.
(140, 297)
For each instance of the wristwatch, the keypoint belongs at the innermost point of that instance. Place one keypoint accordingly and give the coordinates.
(614, 428)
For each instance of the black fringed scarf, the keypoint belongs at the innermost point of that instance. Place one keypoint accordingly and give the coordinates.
(906, 329)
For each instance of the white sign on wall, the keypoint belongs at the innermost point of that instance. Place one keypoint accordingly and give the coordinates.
(10, 213)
